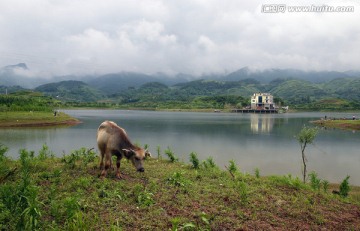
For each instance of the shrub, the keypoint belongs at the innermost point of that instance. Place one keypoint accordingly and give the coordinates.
(345, 187)
(45, 153)
(257, 172)
(171, 155)
(315, 182)
(194, 160)
(158, 150)
(209, 163)
(232, 168)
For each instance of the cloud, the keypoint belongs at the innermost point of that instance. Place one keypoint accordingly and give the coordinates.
(193, 37)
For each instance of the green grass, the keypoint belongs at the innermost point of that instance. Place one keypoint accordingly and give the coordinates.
(40, 191)
(339, 123)
(35, 118)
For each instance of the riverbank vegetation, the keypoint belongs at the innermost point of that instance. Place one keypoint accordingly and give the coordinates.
(28, 108)
(41, 191)
(343, 123)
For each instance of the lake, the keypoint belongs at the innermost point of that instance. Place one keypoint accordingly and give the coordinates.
(263, 141)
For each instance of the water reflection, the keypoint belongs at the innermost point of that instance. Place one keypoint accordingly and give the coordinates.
(260, 123)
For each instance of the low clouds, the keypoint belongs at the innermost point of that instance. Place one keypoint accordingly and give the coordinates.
(192, 37)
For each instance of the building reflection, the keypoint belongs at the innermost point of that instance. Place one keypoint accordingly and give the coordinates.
(261, 123)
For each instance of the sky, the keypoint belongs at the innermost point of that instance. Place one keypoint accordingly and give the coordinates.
(196, 37)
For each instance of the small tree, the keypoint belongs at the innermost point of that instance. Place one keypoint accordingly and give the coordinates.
(306, 136)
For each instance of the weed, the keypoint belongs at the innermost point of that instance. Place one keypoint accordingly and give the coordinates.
(315, 182)
(287, 180)
(3, 150)
(70, 160)
(176, 225)
(257, 173)
(242, 190)
(45, 153)
(81, 221)
(344, 187)
(21, 199)
(142, 196)
(232, 168)
(72, 206)
(325, 184)
(32, 212)
(194, 160)
(171, 155)
(158, 150)
(88, 155)
(177, 179)
(209, 163)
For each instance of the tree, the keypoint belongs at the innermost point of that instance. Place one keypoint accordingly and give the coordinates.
(306, 136)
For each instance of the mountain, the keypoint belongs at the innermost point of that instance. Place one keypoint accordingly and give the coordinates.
(117, 82)
(267, 75)
(71, 90)
(19, 75)
(17, 66)
(345, 88)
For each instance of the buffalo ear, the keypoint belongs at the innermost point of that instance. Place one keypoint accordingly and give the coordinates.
(128, 152)
(147, 153)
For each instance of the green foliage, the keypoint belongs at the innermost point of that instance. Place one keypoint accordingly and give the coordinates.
(289, 181)
(142, 196)
(21, 200)
(257, 172)
(344, 187)
(232, 168)
(209, 163)
(315, 182)
(242, 189)
(26, 102)
(86, 155)
(71, 91)
(56, 197)
(194, 160)
(158, 150)
(3, 150)
(177, 179)
(306, 136)
(72, 206)
(325, 184)
(45, 153)
(171, 155)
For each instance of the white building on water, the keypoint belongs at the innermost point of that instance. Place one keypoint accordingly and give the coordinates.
(262, 101)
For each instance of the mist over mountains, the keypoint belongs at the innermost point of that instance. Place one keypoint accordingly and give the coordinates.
(20, 75)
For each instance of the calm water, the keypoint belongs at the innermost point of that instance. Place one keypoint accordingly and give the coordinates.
(254, 141)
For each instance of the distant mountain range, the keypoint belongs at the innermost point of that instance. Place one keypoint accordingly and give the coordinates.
(290, 84)
(17, 75)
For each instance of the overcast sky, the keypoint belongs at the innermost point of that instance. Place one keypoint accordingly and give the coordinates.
(195, 37)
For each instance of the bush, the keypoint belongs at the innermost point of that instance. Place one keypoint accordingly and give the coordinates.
(345, 187)
(194, 160)
(171, 155)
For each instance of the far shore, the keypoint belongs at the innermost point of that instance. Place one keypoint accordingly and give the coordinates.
(341, 123)
(36, 119)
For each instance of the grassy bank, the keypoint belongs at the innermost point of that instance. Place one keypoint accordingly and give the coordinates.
(35, 118)
(339, 123)
(39, 191)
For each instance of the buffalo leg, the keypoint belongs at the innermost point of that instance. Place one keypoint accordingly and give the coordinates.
(107, 164)
(118, 174)
(101, 161)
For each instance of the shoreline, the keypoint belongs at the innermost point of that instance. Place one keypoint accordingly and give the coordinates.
(36, 119)
(346, 124)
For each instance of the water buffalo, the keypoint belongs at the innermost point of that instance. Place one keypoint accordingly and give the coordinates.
(113, 140)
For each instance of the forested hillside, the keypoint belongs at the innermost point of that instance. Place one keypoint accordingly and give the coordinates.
(337, 94)
(71, 91)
